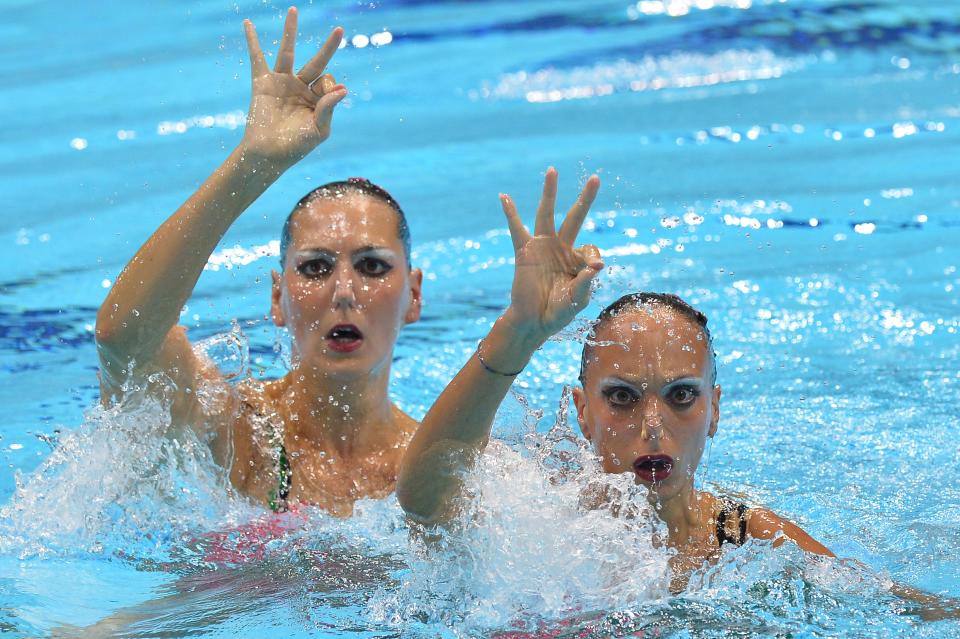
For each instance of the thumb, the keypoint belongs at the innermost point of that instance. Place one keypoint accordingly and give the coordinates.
(579, 286)
(323, 112)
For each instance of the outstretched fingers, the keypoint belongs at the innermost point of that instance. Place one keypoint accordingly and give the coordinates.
(518, 232)
(258, 65)
(548, 204)
(578, 212)
(284, 63)
(313, 69)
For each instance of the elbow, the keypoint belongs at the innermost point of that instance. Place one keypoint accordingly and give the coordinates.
(412, 500)
(107, 326)
(430, 482)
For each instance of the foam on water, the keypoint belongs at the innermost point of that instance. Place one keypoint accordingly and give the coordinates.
(544, 543)
(126, 481)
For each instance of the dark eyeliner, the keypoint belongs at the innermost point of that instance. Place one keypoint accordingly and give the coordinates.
(611, 391)
(382, 267)
(305, 267)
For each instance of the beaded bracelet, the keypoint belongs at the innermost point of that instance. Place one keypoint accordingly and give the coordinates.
(490, 368)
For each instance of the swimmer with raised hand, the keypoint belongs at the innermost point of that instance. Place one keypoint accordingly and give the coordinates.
(551, 284)
(327, 432)
(648, 402)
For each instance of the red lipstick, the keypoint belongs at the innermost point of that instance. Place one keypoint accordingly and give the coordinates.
(653, 468)
(344, 338)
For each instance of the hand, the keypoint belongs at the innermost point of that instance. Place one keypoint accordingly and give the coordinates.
(551, 281)
(289, 114)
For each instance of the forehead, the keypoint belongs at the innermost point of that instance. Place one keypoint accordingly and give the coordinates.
(344, 222)
(650, 342)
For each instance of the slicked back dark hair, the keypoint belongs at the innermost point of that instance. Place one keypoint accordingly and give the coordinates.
(340, 188)
(636, 301)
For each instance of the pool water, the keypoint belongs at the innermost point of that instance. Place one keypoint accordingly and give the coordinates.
(789, 167)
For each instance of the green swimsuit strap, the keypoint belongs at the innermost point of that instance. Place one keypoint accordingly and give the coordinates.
(277, 499)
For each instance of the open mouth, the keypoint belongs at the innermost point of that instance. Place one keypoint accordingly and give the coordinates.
(344, 338)
(653, 468)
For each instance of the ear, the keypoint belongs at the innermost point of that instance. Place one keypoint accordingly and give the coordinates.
(715, 420)
(580, 401)
(416, 300)
(276, 293)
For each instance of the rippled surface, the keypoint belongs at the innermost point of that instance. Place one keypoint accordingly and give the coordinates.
(790, 167)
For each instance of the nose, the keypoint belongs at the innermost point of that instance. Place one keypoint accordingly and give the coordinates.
(344, 295)
(651, 419)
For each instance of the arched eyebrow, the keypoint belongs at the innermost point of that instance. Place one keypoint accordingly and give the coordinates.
(693, 380)
(315, 252)
(669, 381)
(382, 251)
(379, 251)
(616, 379)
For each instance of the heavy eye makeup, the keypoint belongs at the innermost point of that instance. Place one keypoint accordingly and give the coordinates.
(620, 395)
(374, 263)
(315, 266)
(683, 392)
(367, 262)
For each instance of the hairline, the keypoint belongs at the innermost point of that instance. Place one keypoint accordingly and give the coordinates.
(633, 303)
(358, 186)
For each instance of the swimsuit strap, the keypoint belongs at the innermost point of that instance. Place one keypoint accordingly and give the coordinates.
(726, 508)
(277, 499)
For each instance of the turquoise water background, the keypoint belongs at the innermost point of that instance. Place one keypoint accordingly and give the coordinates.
(789, 167)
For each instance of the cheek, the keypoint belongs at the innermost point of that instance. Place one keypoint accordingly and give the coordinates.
(386, 293)
(614, 435)
(691, 428)
(303, 297)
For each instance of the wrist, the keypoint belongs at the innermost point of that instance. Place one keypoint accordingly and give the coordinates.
(523, 334)
(249, 159)
(507, 348)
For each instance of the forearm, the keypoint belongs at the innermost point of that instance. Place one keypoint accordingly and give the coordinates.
(145, 302)
(456, 429)
(928, 606)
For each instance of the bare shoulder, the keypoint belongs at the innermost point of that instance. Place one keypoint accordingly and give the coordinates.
(190, 381)
(258, 407)
(255, 424)
(765, 524)
(408, 425)
(260, 394)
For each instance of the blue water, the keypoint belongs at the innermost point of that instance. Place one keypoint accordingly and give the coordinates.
(790, 167)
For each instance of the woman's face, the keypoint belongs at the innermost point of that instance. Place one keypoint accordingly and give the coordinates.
(648, 402)
(345, 290)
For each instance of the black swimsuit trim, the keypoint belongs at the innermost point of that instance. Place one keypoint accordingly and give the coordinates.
(726, 510)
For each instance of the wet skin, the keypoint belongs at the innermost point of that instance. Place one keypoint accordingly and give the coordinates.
(345, 267)
(649, 394)
(344, 294)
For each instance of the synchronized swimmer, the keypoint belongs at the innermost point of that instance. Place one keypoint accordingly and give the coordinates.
(648, 400)
(344, 290)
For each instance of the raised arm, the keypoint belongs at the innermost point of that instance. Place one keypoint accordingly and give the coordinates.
(289, 116)
(551, 284)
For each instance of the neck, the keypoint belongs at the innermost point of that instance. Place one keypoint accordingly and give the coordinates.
(349, 416)
(680, 512)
